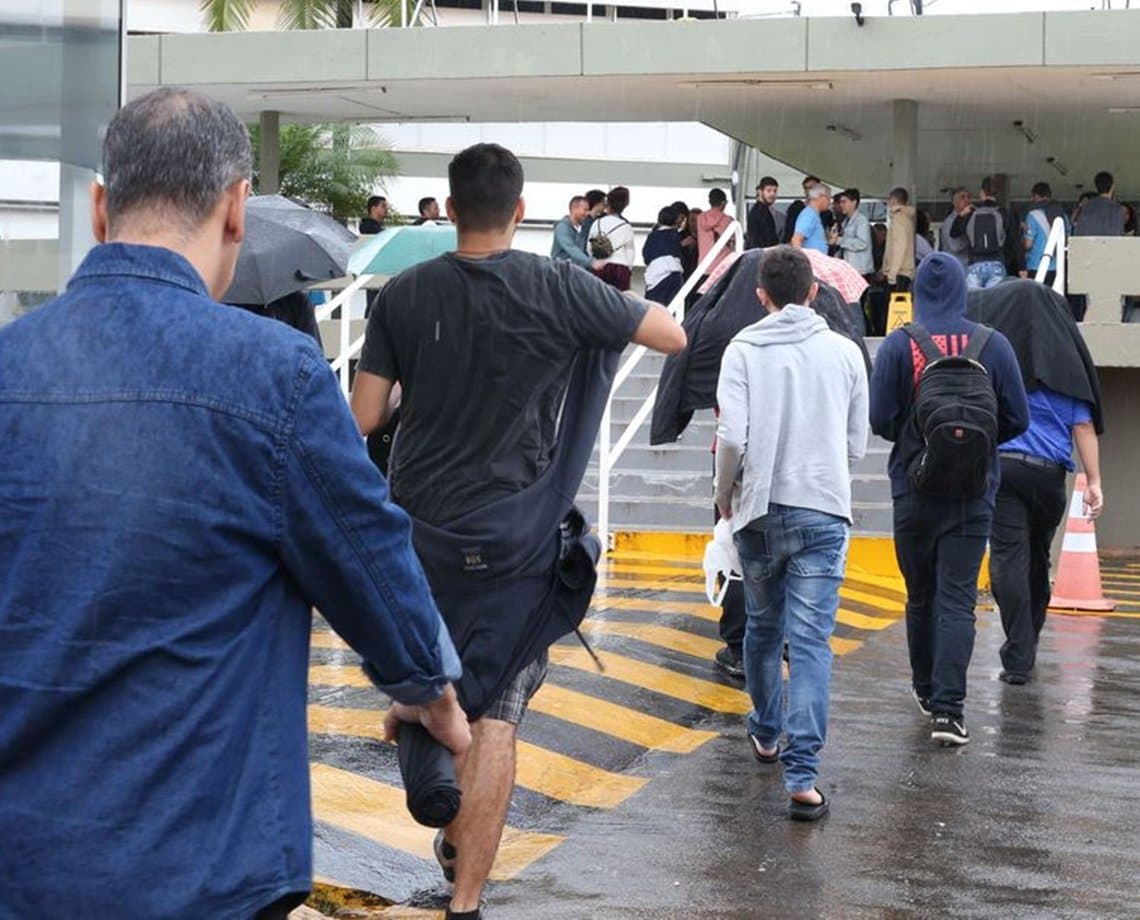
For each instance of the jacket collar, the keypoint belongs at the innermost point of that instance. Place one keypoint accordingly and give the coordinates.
(128, 260)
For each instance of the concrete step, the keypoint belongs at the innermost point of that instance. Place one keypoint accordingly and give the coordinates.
(695, 515)
(636, 484)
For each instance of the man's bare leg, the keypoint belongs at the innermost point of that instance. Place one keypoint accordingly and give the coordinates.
(487, 779)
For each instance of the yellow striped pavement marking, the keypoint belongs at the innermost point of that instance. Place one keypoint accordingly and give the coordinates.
(554, 775)
(677, 640)
(652, 677)
(871, 600)
(892, 583)
(1114, 614)
(841, 646)
(604, 601)
(617, 721)
(326, 638)
(697, 586)
(378, 811)
(862, 621)
(688, 644)
(634, 569)
(682, 585)
(337, 675)
(568, 780)
(338, 720)
(637, 555)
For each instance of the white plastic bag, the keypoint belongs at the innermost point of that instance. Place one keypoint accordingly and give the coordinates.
(722, 564)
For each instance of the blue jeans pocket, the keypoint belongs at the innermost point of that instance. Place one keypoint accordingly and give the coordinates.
(755, 557)
(824, 552)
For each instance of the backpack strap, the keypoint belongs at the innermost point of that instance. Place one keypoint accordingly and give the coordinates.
(925, 343)
(978, 339)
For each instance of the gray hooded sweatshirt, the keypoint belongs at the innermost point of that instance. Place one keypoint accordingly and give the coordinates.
(793, 407)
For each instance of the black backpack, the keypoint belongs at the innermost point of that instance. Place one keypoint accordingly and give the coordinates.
(955, 415)
(985, 231)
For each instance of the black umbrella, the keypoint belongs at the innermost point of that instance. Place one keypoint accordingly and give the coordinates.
(428, 770)
(688, 380)
(1046, 339)
(287, 247)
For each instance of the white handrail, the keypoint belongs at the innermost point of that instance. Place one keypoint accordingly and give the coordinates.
(1054, 247)
(608, 457)
(348, 350)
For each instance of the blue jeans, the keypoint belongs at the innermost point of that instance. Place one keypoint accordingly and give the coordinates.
(793, 561)
(983, 275)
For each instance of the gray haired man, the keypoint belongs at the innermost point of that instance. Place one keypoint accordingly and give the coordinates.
(182, 482)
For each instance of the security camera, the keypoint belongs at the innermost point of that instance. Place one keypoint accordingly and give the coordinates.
(857, 10)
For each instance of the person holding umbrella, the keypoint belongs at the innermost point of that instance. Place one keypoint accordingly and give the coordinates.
(287, 246)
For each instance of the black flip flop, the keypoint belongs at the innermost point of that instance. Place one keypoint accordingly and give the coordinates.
(802, 811)
(772, 758)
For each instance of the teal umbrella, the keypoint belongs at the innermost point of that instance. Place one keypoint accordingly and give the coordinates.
(396, 248)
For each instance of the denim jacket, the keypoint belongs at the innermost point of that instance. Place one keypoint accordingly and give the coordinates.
(179, 483)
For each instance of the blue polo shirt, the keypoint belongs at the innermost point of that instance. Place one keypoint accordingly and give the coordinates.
(1050, 433)
(810, 227)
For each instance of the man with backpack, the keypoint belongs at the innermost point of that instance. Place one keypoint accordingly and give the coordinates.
(947, 392)
(991, 245)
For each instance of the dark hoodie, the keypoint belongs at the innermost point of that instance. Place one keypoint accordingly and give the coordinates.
(940, 307)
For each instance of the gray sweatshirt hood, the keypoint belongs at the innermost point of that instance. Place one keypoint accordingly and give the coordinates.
(790, 325)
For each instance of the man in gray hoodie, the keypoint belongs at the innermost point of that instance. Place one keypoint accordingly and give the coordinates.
(793, 418)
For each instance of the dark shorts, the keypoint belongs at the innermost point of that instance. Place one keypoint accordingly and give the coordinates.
(618, 276)
(510, 705)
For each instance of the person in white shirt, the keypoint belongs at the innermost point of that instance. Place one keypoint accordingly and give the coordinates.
(611, 241)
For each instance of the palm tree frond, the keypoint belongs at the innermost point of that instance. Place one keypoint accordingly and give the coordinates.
(227, 15)
(308, 14)
(384, 14)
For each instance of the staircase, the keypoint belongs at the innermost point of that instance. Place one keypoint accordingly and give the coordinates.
(669, 488)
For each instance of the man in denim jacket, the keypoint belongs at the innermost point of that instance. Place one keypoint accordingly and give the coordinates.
(179, 483)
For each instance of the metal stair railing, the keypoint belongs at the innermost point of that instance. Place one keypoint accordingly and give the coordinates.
(348, 349)
(1054, 253)
(608, 456)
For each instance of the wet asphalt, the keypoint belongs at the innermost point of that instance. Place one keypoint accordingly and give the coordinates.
(1039, 816)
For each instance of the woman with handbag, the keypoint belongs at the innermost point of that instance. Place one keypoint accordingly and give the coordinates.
(611, 241)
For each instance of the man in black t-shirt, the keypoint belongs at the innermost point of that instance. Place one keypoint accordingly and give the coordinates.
(482, 342)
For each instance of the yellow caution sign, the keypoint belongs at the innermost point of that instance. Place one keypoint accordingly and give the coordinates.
(900, 311)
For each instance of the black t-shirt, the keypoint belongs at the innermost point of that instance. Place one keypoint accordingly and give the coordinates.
(483, 349)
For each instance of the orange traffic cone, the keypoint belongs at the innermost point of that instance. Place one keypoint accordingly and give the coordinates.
(1078, 576)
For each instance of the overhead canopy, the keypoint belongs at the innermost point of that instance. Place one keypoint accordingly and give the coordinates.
(815, 93)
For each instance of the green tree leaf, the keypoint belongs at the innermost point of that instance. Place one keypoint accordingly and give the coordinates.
(308, 14)
(227, 15)
(333, 168)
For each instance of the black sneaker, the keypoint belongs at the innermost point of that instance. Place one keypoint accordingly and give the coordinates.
(923, 702)
(758, 752)
(1014, 678)
(476, 914)
(730, 662)
(445, 856)
(949, 731)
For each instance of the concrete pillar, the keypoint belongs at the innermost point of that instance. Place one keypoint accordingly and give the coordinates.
(904, 136)
(76, 236)
(270, 154)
